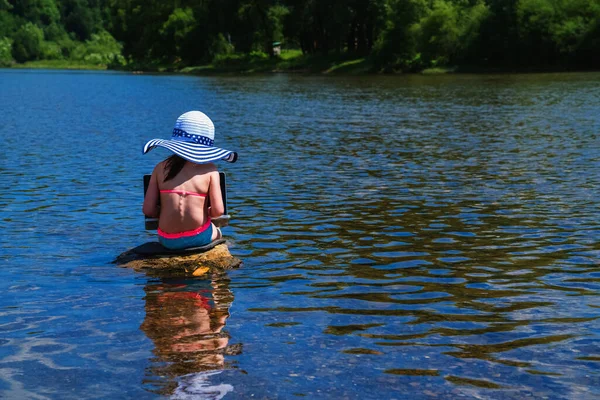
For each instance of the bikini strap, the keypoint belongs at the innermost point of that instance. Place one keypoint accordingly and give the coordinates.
(185, 193)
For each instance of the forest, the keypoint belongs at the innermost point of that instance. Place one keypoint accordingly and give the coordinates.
(391, 35)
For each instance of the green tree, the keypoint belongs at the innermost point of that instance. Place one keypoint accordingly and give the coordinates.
(5, 5)
(78, 18)
(267, 16)
(449, 30)
(142, 22)
(54, 32)
(176, 31)
(587, 53)
(9, 23)
(321, 27)
(28, 41)
(41, 12)
(276, 16)
(219, 47)
(367, 21)
(397, 46)
(439, 33)
(554, 30)
(5, 52)
(498, 43)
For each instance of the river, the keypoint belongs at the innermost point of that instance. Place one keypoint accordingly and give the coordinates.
(401, 236)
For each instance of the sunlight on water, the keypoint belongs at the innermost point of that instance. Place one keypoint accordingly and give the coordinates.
(402, 237)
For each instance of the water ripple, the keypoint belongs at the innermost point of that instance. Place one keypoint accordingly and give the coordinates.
(429, 237)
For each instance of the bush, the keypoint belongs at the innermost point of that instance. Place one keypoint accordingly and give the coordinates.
(101, 49)
(51, 51)
(67, 46)
(5, 52)
(219, 47)
(27, 43)
(258, 56)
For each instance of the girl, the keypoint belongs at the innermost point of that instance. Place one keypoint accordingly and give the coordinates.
(182, 186)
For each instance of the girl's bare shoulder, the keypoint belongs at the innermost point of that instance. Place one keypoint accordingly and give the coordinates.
(159, 169)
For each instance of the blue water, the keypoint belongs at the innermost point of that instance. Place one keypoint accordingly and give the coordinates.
(402, 237)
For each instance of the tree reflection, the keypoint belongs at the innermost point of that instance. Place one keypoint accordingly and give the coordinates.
(186, 320)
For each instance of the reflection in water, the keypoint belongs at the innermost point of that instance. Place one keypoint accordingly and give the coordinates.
(186, 322)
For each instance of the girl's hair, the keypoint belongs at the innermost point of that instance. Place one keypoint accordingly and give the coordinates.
(173, 166)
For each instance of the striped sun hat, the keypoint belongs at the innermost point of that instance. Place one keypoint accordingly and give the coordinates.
(193, 139)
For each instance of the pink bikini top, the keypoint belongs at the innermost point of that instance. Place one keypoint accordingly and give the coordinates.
(184, 193)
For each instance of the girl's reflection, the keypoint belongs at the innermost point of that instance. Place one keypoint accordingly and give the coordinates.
(185, 320)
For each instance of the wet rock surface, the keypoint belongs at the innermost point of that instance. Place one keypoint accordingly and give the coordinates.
(153, 258)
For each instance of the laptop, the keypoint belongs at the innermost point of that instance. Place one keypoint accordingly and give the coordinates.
(152, 223)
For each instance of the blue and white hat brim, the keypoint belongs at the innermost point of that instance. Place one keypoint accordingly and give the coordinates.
(194, 152)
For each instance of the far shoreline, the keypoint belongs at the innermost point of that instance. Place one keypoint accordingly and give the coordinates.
(310, 66)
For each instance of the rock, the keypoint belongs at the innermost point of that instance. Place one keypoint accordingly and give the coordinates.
(152, 257)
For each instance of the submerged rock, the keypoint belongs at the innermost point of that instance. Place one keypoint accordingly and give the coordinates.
(153, 257)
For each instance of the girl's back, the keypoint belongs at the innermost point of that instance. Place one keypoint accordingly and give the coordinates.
(184, 198)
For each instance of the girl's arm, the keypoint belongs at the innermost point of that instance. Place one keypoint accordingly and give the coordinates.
(216, 208)
(151, 206)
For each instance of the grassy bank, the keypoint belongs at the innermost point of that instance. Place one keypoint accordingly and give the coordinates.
(291, 61)
(59, 64)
